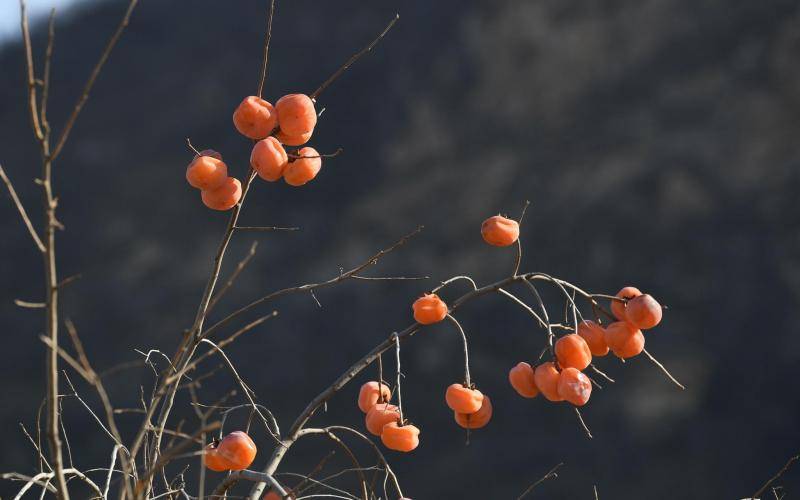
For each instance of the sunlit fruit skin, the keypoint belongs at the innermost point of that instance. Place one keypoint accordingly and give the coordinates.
(296, 114)
(293, 140)
(644, 312)
(400, 438)
(302, 170)
(546, 376)
(380, 415)
(618, 307)
(209, 152)
(215, 461)
(624, 339)
(573, 352)
(429, 309)
(255, 118)
(269, 159)
(499, 231)
(206, 172)
(523, 381)
(370, 394)
(478, 419)
(224, 197)
(238, 450)
(463, 399)
(574, 386)
(594, 335)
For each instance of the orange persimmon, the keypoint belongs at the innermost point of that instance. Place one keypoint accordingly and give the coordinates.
(618, 307)
(237, 449)
(225, 196)
(463, 399)
(372, 393)
(594, 335)
(478, 419)
(522, 380)
(429, 309)
(624, 339)
(269, 159)
(546, 376)
(206, 171)
(400, 437)
(214, 461)
(380, 415)
(574, 386)
(296, 114)
(301, 170)
(255, 118)
(572, 351)
(500, 231)
(644, 312)
(293, 140)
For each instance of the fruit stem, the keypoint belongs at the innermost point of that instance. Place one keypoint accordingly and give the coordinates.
(467, 381)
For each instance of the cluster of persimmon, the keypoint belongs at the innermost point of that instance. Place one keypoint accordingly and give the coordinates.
(564, 380)
(290, 122)
(236, 451)
(384, 419)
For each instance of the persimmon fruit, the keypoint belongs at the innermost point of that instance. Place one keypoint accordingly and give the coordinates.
(463, 399)
(644, 311)
(293, 140)
(372, 393)
(398, 437)
(574, 386)
(380, 415)
(618, 307)
(225, 196)
(523, 381)
(594, 335)
(296, 114)
(301, 170)
(500, 231)
(546, 376)
(429, 309)
(478, 419)
(624, 339)
(269, 159)
(573, 352)
(237, 449)
(206, 172)
(255, 118)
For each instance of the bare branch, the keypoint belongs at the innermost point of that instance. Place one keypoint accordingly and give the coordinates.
(21, 209)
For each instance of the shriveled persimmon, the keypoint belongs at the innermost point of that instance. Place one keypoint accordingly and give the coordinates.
(429, 309)
(399, 437)
(478, 419)
(372, 393)
(624, 339)
(618, 307)
(574, 386)
(500, 231)
(296, 114)
(594, 335)
(573, 352)
(523, 381)
(644, 311)
(293, 140)
(463, 399)
(301, 170)
(255, 118)
(225, 196)
(546, 376)
(207, 172)
(269, 159)
(380, 415)
(238, 450)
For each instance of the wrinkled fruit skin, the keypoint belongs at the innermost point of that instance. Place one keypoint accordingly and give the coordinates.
(478, 419)
(499, 231)
(206, 172)
(296, 114)
(224, 197)
(624, 339)
(644, 312)
(573, 352)
(546, 377)
(369, 395)
(293, 140)
(429, 309)
(594, 335)
(463, 399)
(523, 381)
(574, 386)
(395, 437)
(269, 159)
(255, 118)
(380, 415)
(238, 450)
(617, 307)
(302, 170)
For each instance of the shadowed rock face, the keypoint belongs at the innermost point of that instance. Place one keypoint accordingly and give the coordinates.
(656, 141)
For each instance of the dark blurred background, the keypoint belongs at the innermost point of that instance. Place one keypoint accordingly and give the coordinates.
(655, 139)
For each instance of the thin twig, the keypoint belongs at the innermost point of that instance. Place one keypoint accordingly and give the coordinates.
(550, 474)
(21, 209)
(777, 476)
(663, 369)
(583, 424)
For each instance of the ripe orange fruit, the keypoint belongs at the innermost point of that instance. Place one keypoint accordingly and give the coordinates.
(371, 394)
(237, 449)
(499, 231)
(400, 437)
(293, 140)
(301, 170)
(644, 311)
(208, 152)
(255, 118)
(296, 114)
(574, 386)
(214, 461)
(594, 335)
(429, 309)
(269, 159)
(624, 339)
(206, 172)
(617, 307)
(522, 380)
(224, 197)
(478, 419)
(380, 415)
(546, 376)
(573, 351)
(463, 399)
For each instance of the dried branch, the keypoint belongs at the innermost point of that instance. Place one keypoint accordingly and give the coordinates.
(21, 209)
(663, 369)
(551, 474)
(777, 476)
